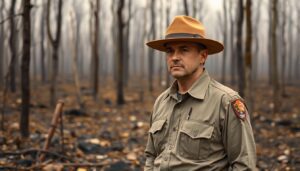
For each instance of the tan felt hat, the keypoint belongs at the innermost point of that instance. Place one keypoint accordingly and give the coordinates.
(186, 29)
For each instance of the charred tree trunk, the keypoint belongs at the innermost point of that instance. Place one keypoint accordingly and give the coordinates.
(239, 49)
(126, 49)
(13, 48)
(270, 43)
(95, 59)
(55, 45)
(151, 51)
(291, 44)
(256, 47)
(248, 57)
(186, 8)
(168, 6)
(1, 46)
(120, 94)
(284, 48)
(232, 46)
(42, 26)
(297, 63)
(25, 65)
(225, 42)
(275, 81)
(74, 40)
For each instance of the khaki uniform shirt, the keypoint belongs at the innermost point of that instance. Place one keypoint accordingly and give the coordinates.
(199, 130)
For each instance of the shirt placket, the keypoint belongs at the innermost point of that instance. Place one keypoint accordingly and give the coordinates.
(173, 131)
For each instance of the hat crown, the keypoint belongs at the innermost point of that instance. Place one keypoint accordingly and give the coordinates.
(186, 25)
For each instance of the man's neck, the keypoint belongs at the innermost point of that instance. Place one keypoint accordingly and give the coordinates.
(184, 84)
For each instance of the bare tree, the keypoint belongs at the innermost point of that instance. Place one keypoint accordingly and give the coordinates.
(120, 80)
(55, 45)
(270, 42)
(239, 48)
(232, 46)
(95, 52)
(255, 57)
(25, 65)
(74, 39)
(42, 27)
(284, 47)
(168, 9)
(151, 51)
(1, 45)
(13, 48)
(292, 39)
(297, 63)
(186, 8)
(248, 57)
(275, 81)
(225, 41)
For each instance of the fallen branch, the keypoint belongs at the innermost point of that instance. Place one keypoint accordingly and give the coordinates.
(54, 122)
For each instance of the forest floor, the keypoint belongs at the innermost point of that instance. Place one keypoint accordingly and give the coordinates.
(115, 136)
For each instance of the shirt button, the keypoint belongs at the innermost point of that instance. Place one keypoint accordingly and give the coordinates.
(174, 129)
(170, 148)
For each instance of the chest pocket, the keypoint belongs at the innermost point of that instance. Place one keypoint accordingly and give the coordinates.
(194, 140)
(158, 131)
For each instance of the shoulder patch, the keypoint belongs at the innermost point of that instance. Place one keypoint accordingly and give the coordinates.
(239, 109)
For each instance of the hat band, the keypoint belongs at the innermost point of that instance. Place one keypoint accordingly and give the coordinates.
(182, 35)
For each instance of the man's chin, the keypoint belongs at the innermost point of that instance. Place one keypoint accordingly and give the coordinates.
(177, 75)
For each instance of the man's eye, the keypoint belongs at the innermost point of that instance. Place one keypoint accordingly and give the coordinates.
(169, 51)
(185, 49)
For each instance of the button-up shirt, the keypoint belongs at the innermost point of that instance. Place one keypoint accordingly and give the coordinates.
(199, 130)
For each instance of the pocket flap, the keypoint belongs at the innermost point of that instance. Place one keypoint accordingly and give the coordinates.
(157, 126)
(197, 130)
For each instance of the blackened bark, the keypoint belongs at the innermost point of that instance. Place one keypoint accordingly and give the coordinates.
(151, 51)
(13, 48)
(25, 65)
(186, 8)
(55, 45)
(95, 59)
(275, 81)
(248, 58)
(120, 80)
(43, 67)
(225, 43)
(239, 49)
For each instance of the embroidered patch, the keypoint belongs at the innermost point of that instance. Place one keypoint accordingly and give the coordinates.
(239, 109)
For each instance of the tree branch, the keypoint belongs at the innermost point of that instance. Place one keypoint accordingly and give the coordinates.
(9, 17)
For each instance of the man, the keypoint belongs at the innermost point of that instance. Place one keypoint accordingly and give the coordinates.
(198, 123)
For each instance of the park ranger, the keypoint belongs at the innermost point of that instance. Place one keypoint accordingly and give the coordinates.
(197, 123)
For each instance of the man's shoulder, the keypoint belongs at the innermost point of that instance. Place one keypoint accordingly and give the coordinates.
(223, 90)
(162, 96)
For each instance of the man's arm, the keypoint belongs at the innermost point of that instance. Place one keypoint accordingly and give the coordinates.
(149, 151)
(238, 137)
(150, 154)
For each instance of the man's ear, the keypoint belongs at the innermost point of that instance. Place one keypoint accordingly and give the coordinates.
(204, 54)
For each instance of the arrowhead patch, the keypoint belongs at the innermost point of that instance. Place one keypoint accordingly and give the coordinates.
(239, 109)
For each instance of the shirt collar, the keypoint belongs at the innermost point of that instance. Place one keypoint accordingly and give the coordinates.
(198, 89)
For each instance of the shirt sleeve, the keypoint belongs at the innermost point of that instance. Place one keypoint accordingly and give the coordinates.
(238, 139)
(149, 152)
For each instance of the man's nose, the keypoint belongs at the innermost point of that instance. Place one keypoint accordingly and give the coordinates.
(176, 55)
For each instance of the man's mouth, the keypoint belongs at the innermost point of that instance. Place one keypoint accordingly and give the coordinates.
(176, 66)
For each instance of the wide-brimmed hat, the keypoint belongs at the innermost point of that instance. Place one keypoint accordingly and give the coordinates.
(186, 29)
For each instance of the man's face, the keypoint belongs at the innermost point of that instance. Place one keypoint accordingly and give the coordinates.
(184, 59)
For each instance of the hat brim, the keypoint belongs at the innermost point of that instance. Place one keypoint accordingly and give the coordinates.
(212, 46)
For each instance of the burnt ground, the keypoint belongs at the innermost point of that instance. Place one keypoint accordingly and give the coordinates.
(115, 137)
